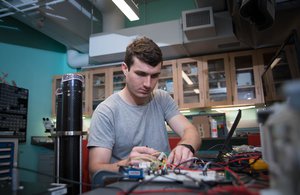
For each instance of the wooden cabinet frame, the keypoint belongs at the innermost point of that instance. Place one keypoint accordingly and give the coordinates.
(256, 76)
(205, 60)
(92, 73)
(173, 76)
(178, 91)
(182, 104)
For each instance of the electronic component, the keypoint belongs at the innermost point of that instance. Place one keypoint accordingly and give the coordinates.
(133, 173)
(258, 164)
(162, 156)
(184, 175)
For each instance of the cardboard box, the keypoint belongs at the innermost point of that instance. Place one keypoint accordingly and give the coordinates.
(203, 125)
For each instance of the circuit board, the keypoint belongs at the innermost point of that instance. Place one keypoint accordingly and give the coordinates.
(185, 175)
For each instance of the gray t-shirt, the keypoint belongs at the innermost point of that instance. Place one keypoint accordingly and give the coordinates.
(118, 126)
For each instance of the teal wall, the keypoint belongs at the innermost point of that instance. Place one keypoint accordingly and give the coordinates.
(31, 59)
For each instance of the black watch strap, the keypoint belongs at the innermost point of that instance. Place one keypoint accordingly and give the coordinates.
(189, 147)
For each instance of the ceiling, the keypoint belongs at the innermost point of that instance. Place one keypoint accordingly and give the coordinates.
(89, 27)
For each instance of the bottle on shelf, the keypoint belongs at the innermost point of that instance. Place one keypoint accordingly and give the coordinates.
(213, 127)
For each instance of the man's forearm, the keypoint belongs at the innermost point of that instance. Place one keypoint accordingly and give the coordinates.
(114, 167)
(192, 137)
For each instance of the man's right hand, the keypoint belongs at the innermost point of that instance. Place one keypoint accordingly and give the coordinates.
(141, 154)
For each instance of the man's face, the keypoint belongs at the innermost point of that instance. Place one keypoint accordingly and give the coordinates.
(141, 79)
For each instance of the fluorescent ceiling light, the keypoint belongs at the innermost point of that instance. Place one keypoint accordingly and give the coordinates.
(184, 111)
(232, 108)
(196, 91)
(129, 8)
(186, 78)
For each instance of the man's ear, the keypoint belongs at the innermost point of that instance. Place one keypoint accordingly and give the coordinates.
(124, 68)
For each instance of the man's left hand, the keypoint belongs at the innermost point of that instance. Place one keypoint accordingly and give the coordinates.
(179, 155)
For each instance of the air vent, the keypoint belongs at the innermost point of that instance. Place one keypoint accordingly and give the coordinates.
(198, 23)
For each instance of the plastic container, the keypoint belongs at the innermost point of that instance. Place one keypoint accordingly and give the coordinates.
(213, 127)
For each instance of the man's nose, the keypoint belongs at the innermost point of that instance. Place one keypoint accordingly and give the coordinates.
(147, 81)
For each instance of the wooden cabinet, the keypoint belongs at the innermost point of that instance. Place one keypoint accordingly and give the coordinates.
(245, 78)
(216, 75)
(281, 69)
(264, 58)
(190, 83)
(168, 79)
(219, 80)
(118, 80)
(104, 82)
(207, 81)
(98, 85)
(56, 84)
(99, 79)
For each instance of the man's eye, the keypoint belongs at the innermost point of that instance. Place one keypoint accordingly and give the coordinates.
(154, 76)
(141, 74)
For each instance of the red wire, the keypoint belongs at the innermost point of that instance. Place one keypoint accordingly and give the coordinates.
(234, 175)
(179, 190)
(233, 190)
(246, 158)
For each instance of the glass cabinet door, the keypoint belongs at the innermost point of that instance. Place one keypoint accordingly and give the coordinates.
(245, 78)
(85, 106)
(264, 57)
(279, 72)
(99, 91)
(168, 79)
(118, 79)
(282, 72)
(217, 80)
(56, 84)
(190, 83)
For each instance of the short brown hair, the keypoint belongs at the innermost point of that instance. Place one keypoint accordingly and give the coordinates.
(145, 50)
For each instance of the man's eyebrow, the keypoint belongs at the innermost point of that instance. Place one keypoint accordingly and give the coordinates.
(143, 72)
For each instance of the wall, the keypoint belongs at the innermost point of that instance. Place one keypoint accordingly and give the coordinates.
(31, 59)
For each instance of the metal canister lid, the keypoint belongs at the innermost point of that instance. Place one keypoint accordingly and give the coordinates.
(72, 76)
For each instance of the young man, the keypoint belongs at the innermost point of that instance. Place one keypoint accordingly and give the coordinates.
(130, 125)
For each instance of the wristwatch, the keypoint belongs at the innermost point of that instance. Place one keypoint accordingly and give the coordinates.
(189, 147)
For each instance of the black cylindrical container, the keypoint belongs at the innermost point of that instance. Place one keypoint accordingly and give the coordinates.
(59, 109)
(69, 134)
(58, 128)
(72, 102)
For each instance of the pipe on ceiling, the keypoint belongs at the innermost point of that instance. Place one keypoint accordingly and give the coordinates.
(76, 59)
(112, 20)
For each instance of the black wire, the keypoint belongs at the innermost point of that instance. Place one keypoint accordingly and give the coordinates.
(189, 160)
(214, 146)
(221, 145)
(139, 184)
(170, 178)
(244, 164)
(206, 185)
